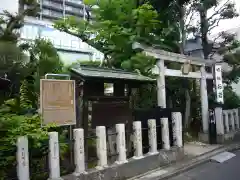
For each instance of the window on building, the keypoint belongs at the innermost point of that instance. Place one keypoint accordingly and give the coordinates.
(46, 2)
(75, 1)
(108, 89)
(46, 11)
(50, 3)
(68, 8)
(74, 44)
(52, 13)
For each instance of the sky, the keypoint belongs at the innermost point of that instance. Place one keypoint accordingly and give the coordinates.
(10, 5)
(224, 25)
(228, 24)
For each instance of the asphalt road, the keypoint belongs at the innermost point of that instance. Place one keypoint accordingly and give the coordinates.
(229, 170)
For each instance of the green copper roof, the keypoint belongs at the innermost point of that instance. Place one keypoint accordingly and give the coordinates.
(108, 73)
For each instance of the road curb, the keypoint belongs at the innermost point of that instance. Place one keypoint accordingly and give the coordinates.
(187, 164)
(197, 161)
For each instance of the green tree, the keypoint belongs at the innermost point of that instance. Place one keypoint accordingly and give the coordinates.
(230, 53)
(231, 99)
(222, 10)
(116, 25)
(12, 59)
(18, 116)
(78, 63)
(231, 58)
(43, 59)
(172, 13)
(11, 23)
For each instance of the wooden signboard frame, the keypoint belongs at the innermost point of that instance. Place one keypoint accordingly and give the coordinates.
(57, 102)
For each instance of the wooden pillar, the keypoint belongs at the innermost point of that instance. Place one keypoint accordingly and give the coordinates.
(161, 91)
(85, 124)
(79, 103)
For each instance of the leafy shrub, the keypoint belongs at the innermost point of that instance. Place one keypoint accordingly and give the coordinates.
(231, 99)
(18, 118)
(11, 127)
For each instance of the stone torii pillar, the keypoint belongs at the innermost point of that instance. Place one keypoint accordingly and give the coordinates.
(161, 91)
(204, 100)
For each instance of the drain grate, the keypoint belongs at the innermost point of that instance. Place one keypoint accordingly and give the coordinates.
(222, 157)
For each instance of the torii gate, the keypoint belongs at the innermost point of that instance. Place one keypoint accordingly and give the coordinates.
(163, 56)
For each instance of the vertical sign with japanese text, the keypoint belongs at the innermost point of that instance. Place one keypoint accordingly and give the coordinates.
(218, 83)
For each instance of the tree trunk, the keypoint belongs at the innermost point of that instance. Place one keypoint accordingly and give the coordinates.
(182, 30)
(207, 49)
(204, 32)
(182, 45)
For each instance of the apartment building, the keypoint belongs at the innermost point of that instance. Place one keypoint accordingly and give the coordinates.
(55, 9)
(70, 48)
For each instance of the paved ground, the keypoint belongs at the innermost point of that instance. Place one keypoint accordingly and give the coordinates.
(193, 149)
(229, 170)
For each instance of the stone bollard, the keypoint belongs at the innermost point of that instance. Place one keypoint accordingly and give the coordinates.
(236, 118)
(54, 160)
(219, 120)
(231, 112)
(226, 122)
(121, 144)
(165, 133)
(79, 155)
(22, 158)
(101, 147)
(152, 136)
(177, 129)
(137, 140)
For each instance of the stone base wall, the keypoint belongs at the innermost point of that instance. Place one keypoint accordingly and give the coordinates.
(221, 139)
(203, 137)
(133, 167)
(229, 137)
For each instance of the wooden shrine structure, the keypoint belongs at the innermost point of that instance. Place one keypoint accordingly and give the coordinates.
(95, 108)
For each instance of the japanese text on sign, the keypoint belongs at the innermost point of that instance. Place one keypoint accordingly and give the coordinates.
(218, 83)
(58, 102)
